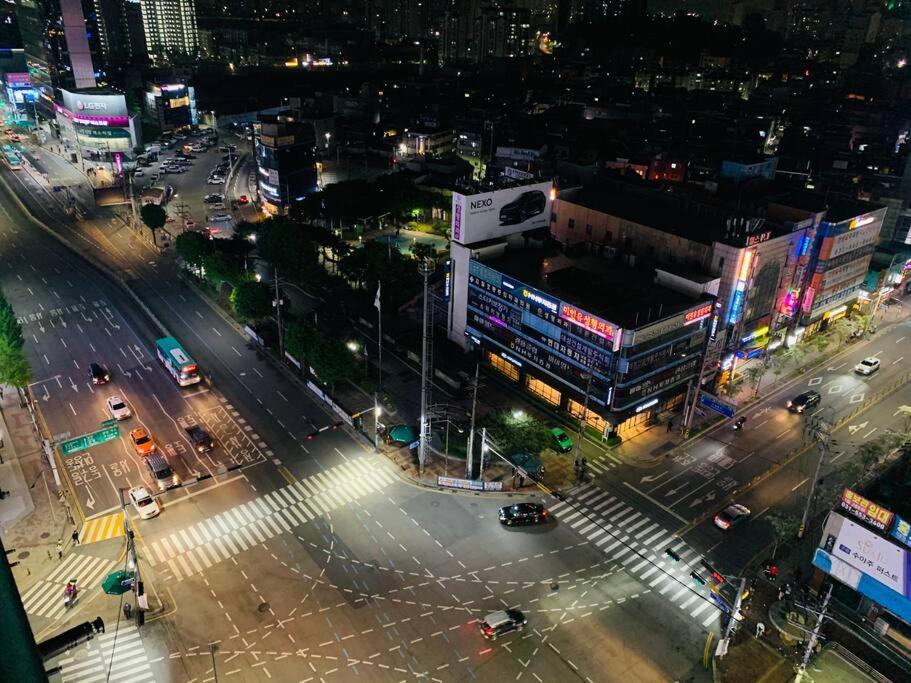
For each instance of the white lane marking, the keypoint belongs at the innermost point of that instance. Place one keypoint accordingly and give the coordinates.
(800, 484)
(898, 360)
(216, 332)
(782, 434)
(869, 433)
(900, 339)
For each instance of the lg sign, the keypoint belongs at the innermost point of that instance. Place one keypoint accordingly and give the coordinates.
(95, 106)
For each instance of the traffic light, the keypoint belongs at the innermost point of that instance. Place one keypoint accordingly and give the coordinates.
(670, 553)
(716, 575)
(698, 579)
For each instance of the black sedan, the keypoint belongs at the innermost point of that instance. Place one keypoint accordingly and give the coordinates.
(522, 513)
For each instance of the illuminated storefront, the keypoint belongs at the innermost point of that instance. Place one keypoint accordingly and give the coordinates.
(171, 105)
(99, 126)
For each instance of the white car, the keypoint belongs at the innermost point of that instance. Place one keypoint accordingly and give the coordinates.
(146, 506)
(217, 206)
(215, 180)
(867, 366)
(219, 217)
(118, 408)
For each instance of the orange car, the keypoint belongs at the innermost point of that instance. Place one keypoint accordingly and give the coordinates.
(142, 441)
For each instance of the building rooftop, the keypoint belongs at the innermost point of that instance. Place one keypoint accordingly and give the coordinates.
(620, 294)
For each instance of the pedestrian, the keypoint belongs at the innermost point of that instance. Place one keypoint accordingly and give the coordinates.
(521, 481)
(59, 549)
(75, 536)
(760, 629)
(670, 426)
(127, 609)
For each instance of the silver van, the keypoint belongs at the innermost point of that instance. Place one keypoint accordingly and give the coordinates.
(161, 471)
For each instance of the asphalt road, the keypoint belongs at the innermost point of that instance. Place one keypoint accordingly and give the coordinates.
(317, 551)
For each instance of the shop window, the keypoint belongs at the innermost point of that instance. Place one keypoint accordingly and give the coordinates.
(542, 390)
(593, 420)
(572, 224)
(503, 366)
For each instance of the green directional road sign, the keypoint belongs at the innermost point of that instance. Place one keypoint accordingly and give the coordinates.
(80, 443)
(109, 423)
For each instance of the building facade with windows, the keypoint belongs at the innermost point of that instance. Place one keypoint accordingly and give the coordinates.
(170, 28)
(285, 161)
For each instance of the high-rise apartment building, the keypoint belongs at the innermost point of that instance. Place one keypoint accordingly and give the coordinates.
(170, 28)
(62, 47)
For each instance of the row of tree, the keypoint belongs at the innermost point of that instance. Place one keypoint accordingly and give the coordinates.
(15, 369)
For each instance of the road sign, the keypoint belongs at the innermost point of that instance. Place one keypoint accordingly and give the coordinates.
(81, 443)
(714, 403)
(109, 423)
(414, 444)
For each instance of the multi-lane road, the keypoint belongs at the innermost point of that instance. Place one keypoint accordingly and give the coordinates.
(313, 559)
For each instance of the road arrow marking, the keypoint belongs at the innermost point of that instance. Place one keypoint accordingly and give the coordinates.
(854, 428)
(709, 497)
(834, 368)
(673, 491)
(652, 477)
(90, 501)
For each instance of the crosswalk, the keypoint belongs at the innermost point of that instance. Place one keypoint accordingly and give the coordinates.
(102, 528)
(45, 598)
(637, 543)
(196, 548)
(110, 657)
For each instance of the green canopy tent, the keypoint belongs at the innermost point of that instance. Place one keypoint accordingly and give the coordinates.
(118, 583)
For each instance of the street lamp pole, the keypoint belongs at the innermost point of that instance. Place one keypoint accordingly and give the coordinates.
(588, 389)
(278, 318)
(820, 430)
(474, 403)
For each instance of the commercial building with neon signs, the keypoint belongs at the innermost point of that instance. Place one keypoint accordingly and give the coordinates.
(562, 326)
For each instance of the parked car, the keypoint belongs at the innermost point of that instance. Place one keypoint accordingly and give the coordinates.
(501, 622)
(118, 408)
(99, 374)
(243, 199)
(731, 516)
(214, 197)
(563, 443)
(867, 366)
(146, 506)
(522, 513)
(214, 180)
(142, 441)
(201, 439)
(804, 401)
(217, 206)
(219, 217)
(523, 207)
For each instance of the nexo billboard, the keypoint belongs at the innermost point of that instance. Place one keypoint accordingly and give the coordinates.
(489, 215)
(82, 104)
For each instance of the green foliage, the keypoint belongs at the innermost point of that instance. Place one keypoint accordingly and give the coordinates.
(10, 329)
(15, 369)
(330, 359)
(422, 250)
(220, 267)
(252, 300)
(286, 245)
(517, 434)
(153, 216)
(753, 377)
(193, 247)
(784, 525)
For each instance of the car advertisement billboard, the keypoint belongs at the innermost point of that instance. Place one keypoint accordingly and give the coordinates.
(83, 104)
(872, 565)
(489, 215)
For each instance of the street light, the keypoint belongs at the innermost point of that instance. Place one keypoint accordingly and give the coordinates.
(518, 414)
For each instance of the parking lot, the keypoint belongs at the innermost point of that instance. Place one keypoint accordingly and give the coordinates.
(190, 188)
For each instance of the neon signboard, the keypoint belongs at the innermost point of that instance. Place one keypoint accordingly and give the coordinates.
(753, 240)
(866, 510)
(697, 314)
(740, 290)
(860, 222)
(587, 321)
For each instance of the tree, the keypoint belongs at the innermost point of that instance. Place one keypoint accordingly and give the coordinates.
(15, 369)
(252, 300)
(784, 526)
(905, 412)
(422, 250)
(193, 247)
(513, 433)
(219, 268)
(731, 387)
(332, 361)
(154, 217)
(754, 375)
(10, 329)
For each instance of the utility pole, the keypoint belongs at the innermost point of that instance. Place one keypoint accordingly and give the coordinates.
(141, 600)
(814, 638)
(689, 409)
(426, 269)
(820, 430)
(379, 367)
(483, 448)
(474, 404)
(588, 376)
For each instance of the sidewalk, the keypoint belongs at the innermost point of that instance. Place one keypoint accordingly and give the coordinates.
(32, 517)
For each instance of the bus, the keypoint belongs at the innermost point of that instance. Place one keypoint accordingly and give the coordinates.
(177, 361)
(12, 160)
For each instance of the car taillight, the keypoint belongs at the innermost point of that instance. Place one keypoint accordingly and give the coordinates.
(544, 513)
(488, 631)
(724, 524)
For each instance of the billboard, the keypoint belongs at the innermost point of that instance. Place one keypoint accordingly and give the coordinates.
(489, 215)
(870, 564)
(82, 104)
(865, 510)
